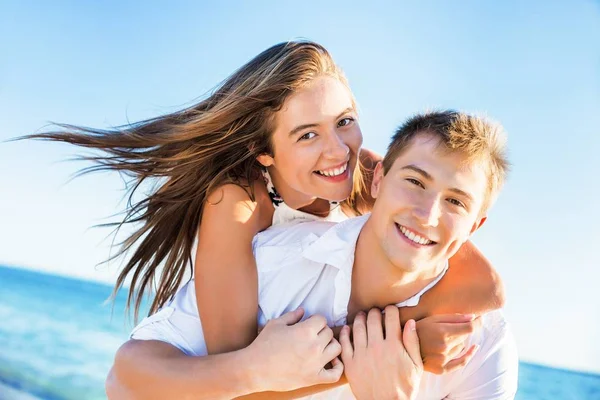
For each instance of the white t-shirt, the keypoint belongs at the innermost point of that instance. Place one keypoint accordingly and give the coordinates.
(309, 264)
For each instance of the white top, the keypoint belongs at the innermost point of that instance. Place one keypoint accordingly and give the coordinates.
(310, 265)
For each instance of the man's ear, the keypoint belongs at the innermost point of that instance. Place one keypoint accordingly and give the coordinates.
(377, 178)
(477, 224)
(265, 160)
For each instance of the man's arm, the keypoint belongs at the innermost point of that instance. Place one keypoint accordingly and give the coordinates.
(157, 370)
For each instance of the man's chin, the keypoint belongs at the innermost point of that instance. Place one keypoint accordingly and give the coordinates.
(405, 265)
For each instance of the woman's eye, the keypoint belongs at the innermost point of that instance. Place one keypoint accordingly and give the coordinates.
(307, 136)
(415, 182)
(345, 121)
(456, 203)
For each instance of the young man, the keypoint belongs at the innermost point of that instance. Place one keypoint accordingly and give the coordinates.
(439, 177)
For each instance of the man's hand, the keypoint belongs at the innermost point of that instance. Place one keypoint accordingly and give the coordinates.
(443, 340)
(291, 354)
(378, 367)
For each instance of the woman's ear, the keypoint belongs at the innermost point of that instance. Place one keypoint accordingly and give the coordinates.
(265, 160)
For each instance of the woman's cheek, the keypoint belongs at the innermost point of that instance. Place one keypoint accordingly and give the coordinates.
(354, 142)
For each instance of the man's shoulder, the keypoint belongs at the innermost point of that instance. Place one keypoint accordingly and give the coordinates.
(492, 373)
(301, 233)
(494, 323)
(291, 233)
(497, 347)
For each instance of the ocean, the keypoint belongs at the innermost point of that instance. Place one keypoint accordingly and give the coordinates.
(58, 337)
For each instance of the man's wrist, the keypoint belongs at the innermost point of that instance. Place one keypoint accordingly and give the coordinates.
(246, 371)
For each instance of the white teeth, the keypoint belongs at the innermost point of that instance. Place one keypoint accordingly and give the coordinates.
(334, 171)
(415, 238)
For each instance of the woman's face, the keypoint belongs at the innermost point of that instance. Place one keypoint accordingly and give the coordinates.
(316, 142)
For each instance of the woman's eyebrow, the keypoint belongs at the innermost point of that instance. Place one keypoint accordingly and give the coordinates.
(304, 126)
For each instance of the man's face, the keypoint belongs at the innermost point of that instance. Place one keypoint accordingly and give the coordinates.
(428, 205)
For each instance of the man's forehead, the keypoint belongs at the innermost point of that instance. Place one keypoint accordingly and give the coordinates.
(432, 146)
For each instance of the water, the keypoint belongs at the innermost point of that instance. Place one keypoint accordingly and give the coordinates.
(57, 341)
(57, 335)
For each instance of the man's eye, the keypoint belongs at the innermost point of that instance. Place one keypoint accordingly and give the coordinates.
(456, 203)
(345, 121)
(415, 182)
(307, 136)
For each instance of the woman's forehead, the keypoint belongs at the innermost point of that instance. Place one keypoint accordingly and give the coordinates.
(321, 100)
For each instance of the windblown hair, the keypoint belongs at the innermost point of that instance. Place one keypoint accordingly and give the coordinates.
(192, 152)
(477, 138)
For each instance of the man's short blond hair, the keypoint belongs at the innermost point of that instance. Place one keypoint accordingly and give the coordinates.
(477, 138)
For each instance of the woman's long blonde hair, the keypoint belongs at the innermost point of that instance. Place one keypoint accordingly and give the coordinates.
(192, 152)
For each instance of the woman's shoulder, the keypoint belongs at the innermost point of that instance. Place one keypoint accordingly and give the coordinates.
(242, 200)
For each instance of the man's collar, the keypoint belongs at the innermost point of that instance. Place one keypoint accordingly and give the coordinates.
(414, 300)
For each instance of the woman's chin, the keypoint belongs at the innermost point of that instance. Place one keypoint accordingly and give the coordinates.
(336, 195)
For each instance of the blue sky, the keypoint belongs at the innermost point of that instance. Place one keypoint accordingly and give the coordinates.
(535, 67)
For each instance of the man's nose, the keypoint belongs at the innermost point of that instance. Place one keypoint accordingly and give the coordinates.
(428, 211)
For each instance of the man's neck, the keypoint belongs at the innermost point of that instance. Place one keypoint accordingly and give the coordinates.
(376, 282)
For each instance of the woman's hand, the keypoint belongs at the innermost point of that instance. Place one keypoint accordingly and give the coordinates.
(444, 339)
(289, 354)
(379, 367)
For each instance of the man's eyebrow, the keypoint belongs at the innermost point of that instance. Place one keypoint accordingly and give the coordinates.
(418, 171)
(461, 193)
(428, 176)
(305, 126)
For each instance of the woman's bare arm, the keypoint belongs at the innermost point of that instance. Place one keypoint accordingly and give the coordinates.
(226, 280)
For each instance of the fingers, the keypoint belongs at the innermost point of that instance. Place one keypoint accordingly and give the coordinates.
(462, 328)
(292, 317)
(359, 331)
(453, 318)
(333, 374)
(347, 350)
(315, 323)
(325, 336)
(374, 328)
(457, 351)
(331, 351)
(392, 322)
(411, 343)
(461, 361)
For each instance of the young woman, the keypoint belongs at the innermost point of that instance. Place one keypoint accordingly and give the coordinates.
(285, 120)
